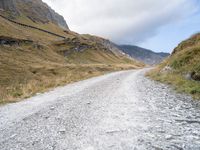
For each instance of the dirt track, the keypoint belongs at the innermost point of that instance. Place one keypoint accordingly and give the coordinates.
(119, 111)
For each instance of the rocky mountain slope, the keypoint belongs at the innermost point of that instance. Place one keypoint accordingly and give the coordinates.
(35, 10)
(182, 68)
(144, 55)
(9, 5)
(32, 60)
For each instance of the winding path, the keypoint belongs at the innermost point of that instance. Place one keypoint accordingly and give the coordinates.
(117, 111)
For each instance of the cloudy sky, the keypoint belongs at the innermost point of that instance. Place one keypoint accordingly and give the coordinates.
(155, 24)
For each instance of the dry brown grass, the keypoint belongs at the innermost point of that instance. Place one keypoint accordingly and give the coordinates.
(29, 68)
(52, 77)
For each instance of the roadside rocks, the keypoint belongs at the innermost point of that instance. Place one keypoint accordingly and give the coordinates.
(62, 131)
(188, 76)
(168, 137)
(132, 113)
(166, 69)
(193, 76)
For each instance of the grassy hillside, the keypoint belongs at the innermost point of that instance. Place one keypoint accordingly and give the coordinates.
(183, 67)
(32, 61)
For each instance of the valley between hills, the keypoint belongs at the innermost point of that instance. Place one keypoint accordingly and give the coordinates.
(33, 61)
(63, 90)
(39, 52)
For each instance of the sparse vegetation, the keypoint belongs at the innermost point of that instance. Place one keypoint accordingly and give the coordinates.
(27, 68)
(23, 85)
(185, 65)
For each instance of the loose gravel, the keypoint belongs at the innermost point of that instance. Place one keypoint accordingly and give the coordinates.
(117, 111)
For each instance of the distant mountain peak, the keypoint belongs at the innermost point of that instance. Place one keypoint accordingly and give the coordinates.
(144, 55)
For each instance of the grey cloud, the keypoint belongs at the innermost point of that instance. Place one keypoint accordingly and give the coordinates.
(123, 21)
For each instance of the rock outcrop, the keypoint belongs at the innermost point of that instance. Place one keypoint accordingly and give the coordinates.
(12, 41)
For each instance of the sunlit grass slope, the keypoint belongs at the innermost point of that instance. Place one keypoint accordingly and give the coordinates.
(184, 63)
(46, 61)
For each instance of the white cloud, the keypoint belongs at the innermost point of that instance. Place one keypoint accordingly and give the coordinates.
(123, 21)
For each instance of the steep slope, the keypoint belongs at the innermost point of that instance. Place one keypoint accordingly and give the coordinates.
(33, 61)
(144, 55)
(9, 6)
(182, 68)
(35, 10)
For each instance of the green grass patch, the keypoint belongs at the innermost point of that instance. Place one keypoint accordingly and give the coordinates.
(177, 81)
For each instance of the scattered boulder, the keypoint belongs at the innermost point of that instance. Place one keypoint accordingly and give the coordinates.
(195, 76)
(168, 137)
(81, 48)
(166, 69)
(188, 76)
(37, 46)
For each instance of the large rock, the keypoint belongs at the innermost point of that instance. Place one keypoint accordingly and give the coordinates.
(195, 76)
(166, 69)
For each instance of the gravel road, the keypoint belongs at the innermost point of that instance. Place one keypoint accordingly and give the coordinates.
(117, 111)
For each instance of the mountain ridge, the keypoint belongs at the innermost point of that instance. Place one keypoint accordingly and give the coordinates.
(142, 54)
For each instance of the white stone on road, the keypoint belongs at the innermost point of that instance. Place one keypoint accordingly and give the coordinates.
(118, 111)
